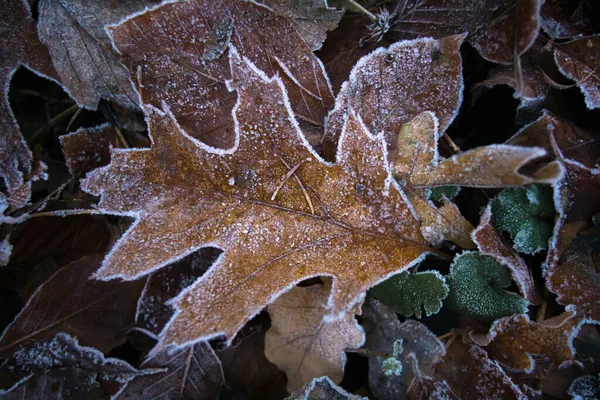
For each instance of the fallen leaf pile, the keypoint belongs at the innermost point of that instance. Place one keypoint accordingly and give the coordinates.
(267, 199)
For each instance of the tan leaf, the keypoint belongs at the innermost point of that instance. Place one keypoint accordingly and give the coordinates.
(163, 50)
(492, 244)
(516, 341)
(320, 389)
(580, 60)
(305, 345)
(390, 87)
(280, 213)
(82, 52)
(19, 45)
(313, 18)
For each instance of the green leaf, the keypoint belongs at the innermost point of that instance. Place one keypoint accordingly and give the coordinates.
(438, 193)
(477, 285)
(408, 294)
(521, 213)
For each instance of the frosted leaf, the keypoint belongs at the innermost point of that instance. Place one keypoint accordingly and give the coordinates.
(326, 219)
(490, 243)
(477, 287)
(89, 67)
(410, 293)
(322, 389)
(60, 367)
(391, 366)
(439, 193)
(421, 350)
(565, 19)
(163, 50)
(302, 344)
(516, 341)
(189, 373)
(97, 312)
(579, 60)
(390, 87)
(585, 388)
(19, 45)
(313, 18)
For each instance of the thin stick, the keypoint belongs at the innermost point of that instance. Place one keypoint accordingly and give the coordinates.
(64, 213)
(304, 192)
(54, 121)
(451, 143)
(362, 9)
(285, 179)
(121, 137)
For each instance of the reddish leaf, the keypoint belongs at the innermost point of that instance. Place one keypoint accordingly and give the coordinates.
(96, 312)
(189, 373)
(163, 49)
(351, 214)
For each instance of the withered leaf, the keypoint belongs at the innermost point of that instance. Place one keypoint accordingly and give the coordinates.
(492, 244)
(322, 389)
(60, 368)
(515, 341)
(70, 302)
(302, 344)
(82, 52)
(19, 45)
(579, 60)
(421, 350)
(565, 19)
(190, 373)
(163, 50)
(324, 220)
(313, 18)
(390, 87)
(585, 387)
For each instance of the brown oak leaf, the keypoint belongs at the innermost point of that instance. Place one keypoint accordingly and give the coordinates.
(280, 213)
(580, 60)
(82, 52)
(163, 49)
(491, 243)
(302, 344)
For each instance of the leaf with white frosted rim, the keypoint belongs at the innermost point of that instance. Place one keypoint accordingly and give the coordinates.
(279, 212)
(320, 389)
(580, 60)
(491, 243)
(390, 87)
(189, 373)
(19, 45)
(62, 367)
(90, 69)
(302, 344)
(313, 18)
(163, 49)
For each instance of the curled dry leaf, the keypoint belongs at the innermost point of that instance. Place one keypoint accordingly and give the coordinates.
(516, 341)
(322, 389)
(390, 87)
(466, 372)
(490, 243)
(326, 219)
(88, 66)
(580, 60)
(312, 18)
(19, 45)
(97, 312)
(566, 19)
(585, 387)
(89, 148)
(190, 373)
(302, 343)
(421, 350)
(60, 368)
(163, 50)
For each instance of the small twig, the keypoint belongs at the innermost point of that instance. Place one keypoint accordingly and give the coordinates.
(79, 111)
(304, 192)
(447, 335)
(452, 145)
(54, 121)
(368, 352)
(362, 9)
(65, 213)
(121, 138)
(285, 179)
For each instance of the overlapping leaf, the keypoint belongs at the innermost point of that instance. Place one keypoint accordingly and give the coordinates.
(324, 220)
(302, 344)
(164, 50)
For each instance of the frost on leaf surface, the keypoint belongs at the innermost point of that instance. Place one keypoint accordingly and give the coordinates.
(88, 66)
(163, 50)
(325, 219)
(61, 367)
(302, 344)
(320, 389)
(585, 388)
(19, 45)
(410, 293)
(477, 287)
(390, 87)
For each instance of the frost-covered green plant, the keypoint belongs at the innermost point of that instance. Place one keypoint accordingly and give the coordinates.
(521, 212)
(438, 193)
(391, 365)
(477, 284)
(408, 293)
